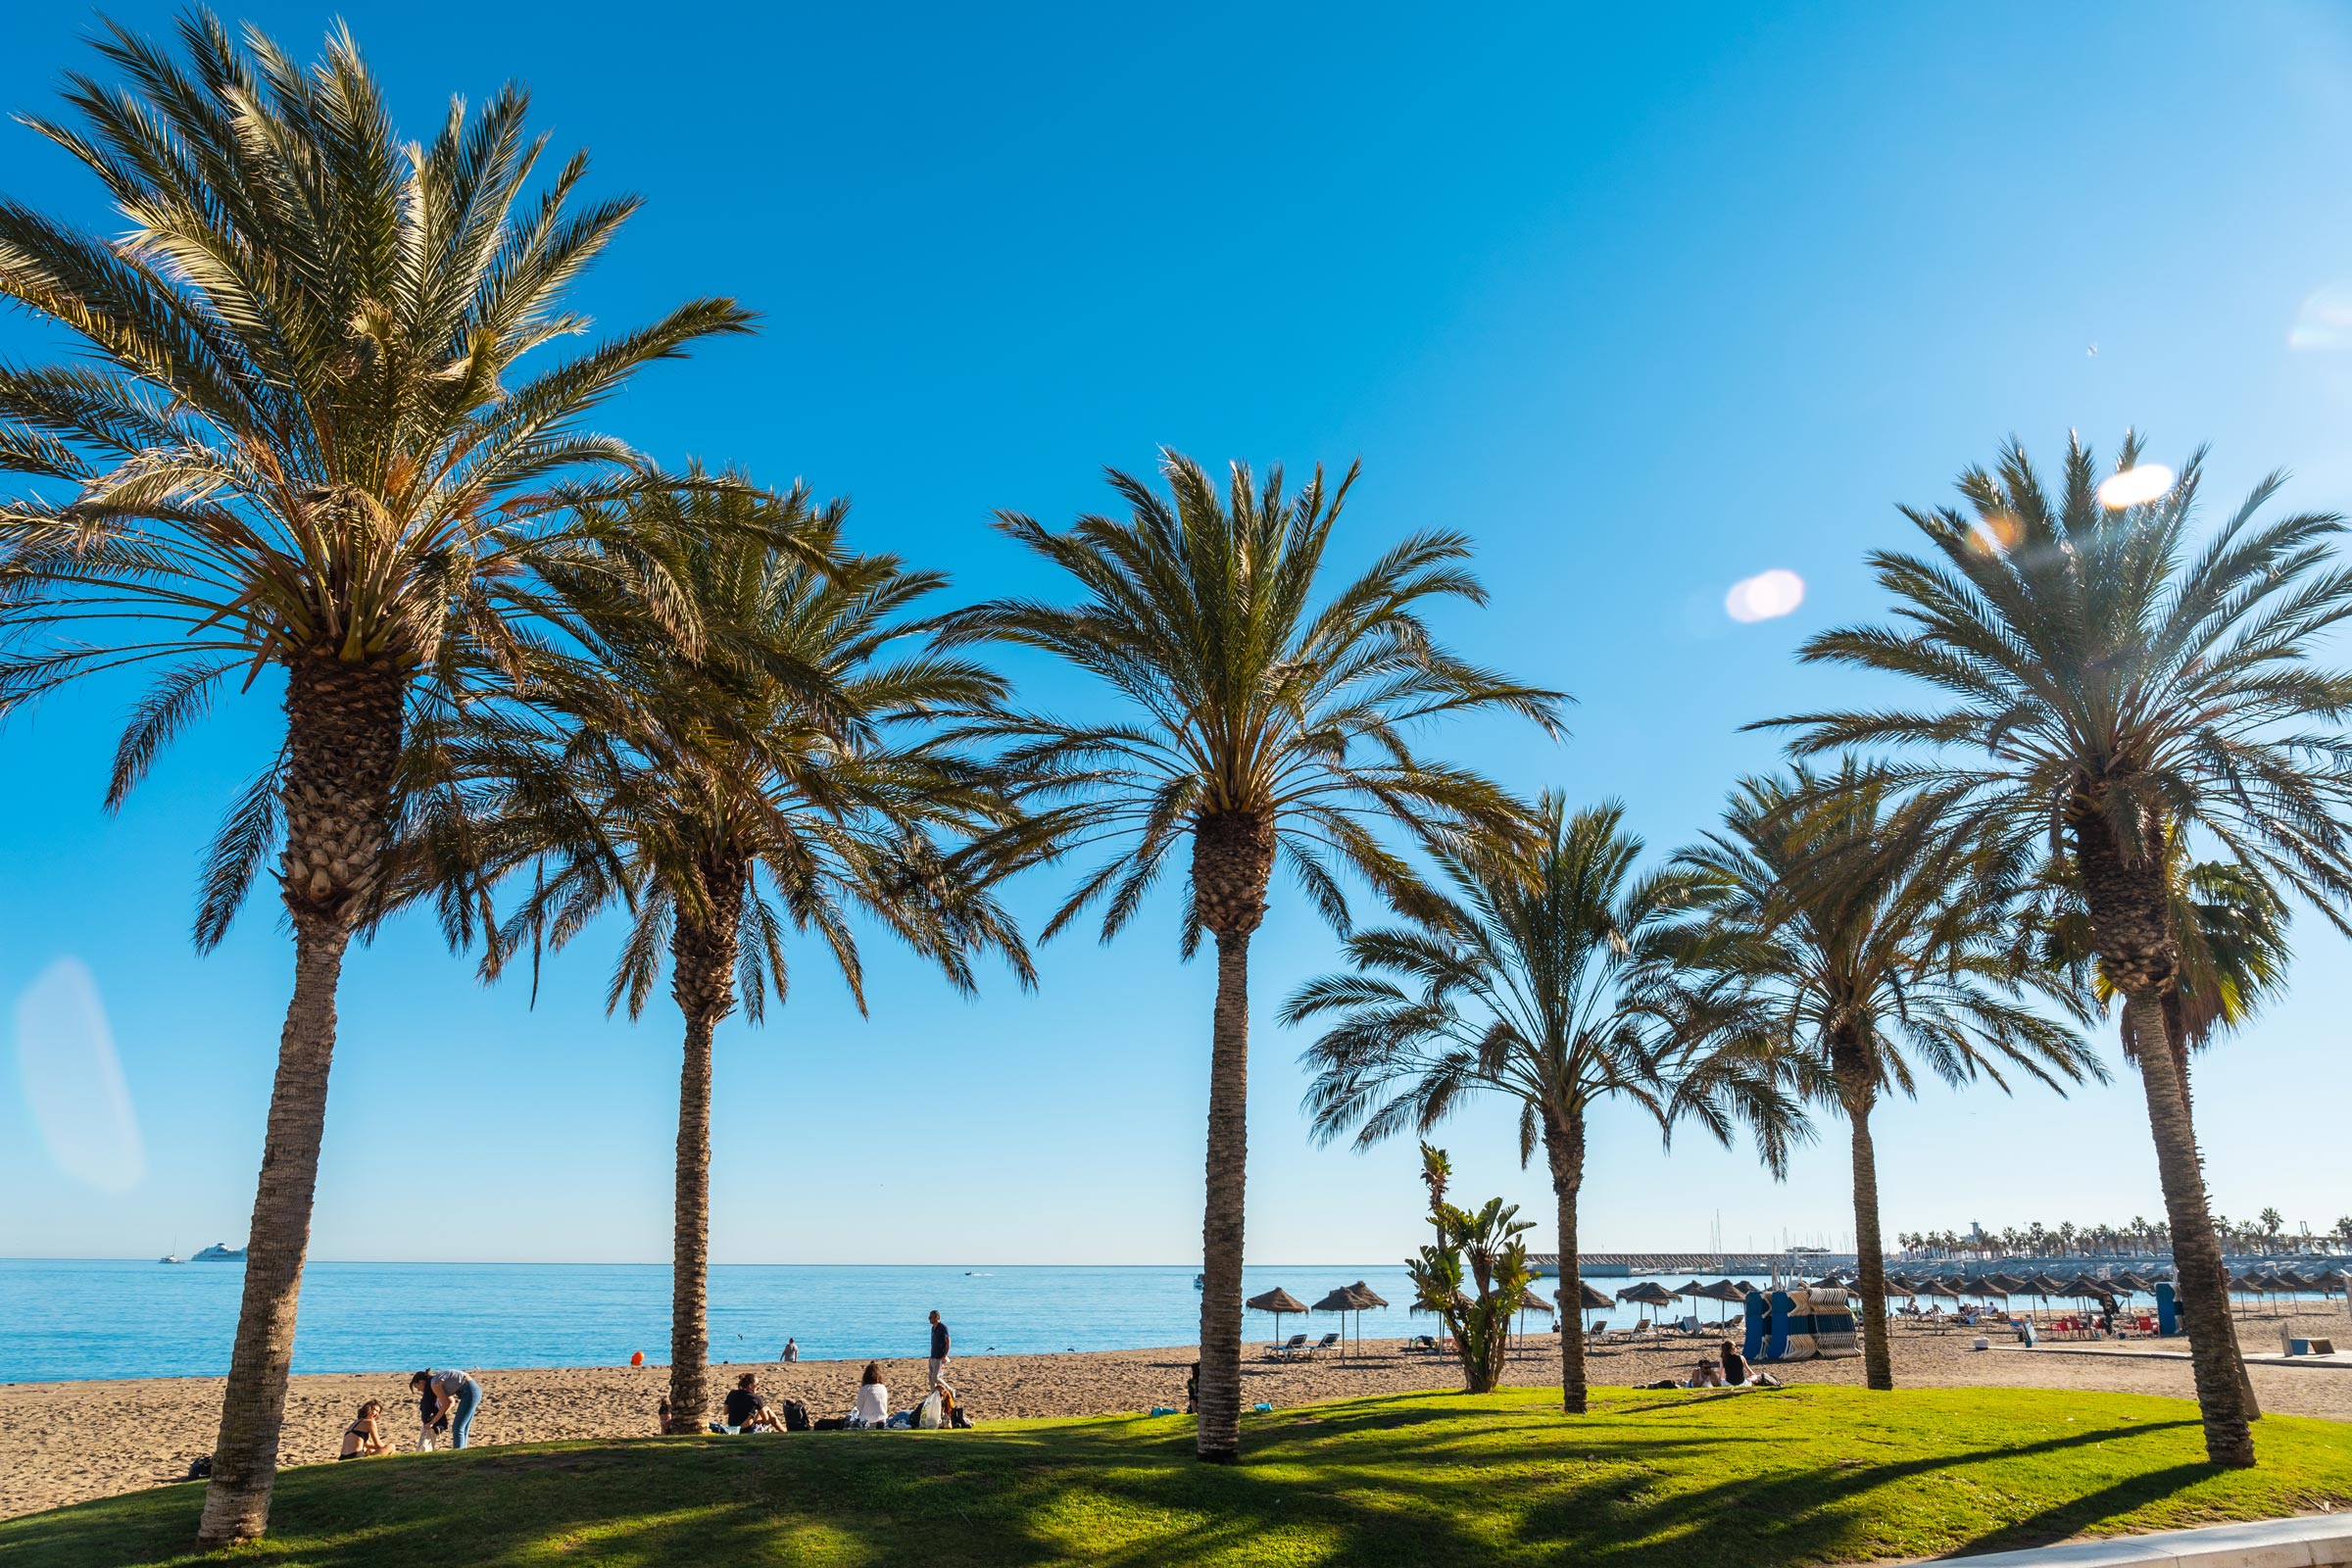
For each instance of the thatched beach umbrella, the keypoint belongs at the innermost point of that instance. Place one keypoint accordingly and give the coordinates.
(1590, 1299)
(1366, 1300)
(1359, 1299)
(1341, 1302)
(2045, 1287)
(1724, 1291)
(1277, 1301)
(1535, 1302)
(1649, 1294)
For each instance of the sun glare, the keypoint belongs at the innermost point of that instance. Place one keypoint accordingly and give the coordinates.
(2128, 487)
(1765, 596)
(74, 1080)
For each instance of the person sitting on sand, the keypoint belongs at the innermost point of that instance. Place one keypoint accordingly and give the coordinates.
(661, 1420)
(455, 1395)
(792, 1350)
(362, 1437)
(746, 1410)
(1192, 1391)
(872, 1406)
(1705, 1375)
(1738, 1374)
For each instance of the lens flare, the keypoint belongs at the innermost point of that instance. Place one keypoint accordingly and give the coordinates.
(1766, 596)
(2325, 319)
(1996, 534)
(74, 1080)
(2128, 487)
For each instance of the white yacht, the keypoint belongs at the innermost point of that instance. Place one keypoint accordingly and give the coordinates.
(220, 1253)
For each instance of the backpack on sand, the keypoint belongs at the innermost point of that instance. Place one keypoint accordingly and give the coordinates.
(796, 1416)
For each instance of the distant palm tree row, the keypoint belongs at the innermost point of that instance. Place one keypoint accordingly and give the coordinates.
(531, 678)
(2140, 1238)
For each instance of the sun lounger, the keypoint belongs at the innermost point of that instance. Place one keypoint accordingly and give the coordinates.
(1329, 1342)
(1638, 1331)
(1287, 1350)
(1599, 1333)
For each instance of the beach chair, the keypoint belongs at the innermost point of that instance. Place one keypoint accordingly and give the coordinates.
(1689, 1325)
(1636, 1331)
(1288, 1348)
(1599, 1333)
(1329, 1342)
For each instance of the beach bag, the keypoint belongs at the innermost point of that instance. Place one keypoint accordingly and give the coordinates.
(926, 1414)
(796, 1416)
(963, 1419)
(832, 1423)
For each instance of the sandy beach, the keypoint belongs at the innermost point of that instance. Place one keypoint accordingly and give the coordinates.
(63, 1442)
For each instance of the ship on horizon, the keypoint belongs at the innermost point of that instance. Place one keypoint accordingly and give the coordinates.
(220, 1253)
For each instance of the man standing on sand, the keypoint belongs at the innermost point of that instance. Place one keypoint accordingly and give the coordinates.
(938, 1355)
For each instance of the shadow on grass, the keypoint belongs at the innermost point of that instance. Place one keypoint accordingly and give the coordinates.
(2077, 1514)
(1756, 1480)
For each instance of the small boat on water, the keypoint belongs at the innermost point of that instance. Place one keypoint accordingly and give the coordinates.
(169, 1258)
(220, 1253)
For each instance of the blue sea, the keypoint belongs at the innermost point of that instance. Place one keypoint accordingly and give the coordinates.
(96, 1319)
(73, 1319)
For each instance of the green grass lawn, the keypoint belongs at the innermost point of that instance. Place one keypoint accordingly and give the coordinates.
(1753, 1479)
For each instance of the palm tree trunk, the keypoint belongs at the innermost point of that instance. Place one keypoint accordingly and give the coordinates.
(1233, 858)
(703, 980)
(1564, 1142)
(2175, 1035)
(2130, 928)
(2196, 1250)
(343, 737)
(1220, 1435)
(690, 1238)
(1878, 1356)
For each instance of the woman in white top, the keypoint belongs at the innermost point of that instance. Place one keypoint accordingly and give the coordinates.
(873, 1408)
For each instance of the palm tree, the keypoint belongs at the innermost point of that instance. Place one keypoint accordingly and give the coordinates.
(1834, 942)
(1261, 728)
(791, 778)
(1545, 976)
(302, 435)
(2099, 687)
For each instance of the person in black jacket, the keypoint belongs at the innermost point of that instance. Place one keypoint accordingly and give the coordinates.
(938, 1355)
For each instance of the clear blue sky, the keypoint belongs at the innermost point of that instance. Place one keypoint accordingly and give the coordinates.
(1645, 306)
